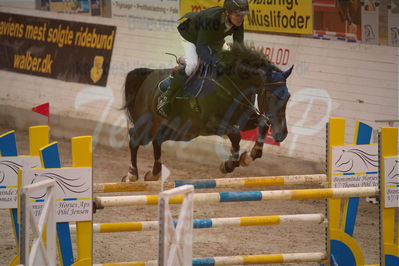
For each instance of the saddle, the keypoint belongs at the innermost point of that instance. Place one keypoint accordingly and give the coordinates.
(199, 84)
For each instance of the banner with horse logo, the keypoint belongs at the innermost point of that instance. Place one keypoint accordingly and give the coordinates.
(9, 177)
(393, 23)
(73, 192)
(355, 166)
(370, 22)
(391, 170)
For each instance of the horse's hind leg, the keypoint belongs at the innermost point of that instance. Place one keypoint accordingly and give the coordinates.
(133, 173)
(155, 174)
(234, 160)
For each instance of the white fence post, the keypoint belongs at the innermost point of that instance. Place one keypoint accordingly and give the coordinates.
(40, 253)
(175, 244)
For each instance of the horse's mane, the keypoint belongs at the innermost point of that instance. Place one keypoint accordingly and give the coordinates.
(240, 53)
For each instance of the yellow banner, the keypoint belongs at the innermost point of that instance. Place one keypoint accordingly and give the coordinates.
(283, 16)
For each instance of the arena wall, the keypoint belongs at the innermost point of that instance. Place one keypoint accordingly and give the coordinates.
(25, 4)
(331, 78)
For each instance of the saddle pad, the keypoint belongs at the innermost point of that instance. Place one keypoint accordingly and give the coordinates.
(163, 85)
(199, 86)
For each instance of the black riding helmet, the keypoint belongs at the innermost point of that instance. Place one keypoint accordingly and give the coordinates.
(237, 6)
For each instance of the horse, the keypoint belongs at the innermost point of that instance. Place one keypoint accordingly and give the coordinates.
(224, 106)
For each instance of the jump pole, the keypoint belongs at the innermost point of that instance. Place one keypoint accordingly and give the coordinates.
(282, 197)
(316, 218)
(238, 260)
(371, 192)
(200, 198)
(316, 179)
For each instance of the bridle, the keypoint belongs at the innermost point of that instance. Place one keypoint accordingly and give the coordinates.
(266, 117)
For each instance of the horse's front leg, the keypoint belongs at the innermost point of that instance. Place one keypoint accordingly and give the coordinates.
(133, 173)
(155, 174)
(257, 150)
(234, 159)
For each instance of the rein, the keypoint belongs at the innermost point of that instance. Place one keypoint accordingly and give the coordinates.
(279, 83)
(248, 104)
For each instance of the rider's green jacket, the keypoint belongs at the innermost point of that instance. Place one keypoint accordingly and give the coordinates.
(207, 29)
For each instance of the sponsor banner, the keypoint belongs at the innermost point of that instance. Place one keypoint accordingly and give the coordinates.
(147, 15)
(95, 7)
(393, 23)
(9, 178)
(187, 6)
(278, 55)
(355, 166)
(70, 6)
(280, 16)
(44, 5)
(370, 22)
(58, 49)
(73, 192)
(266, 15)
(282, 55)
(338, 19)
(391, 170)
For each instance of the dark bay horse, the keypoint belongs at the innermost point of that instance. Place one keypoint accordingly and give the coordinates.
(225, 106)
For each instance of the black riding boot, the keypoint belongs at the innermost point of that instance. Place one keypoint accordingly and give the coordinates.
(166, 99)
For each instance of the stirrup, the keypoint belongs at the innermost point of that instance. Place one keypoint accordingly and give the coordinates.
(161, 111)
(162, 104)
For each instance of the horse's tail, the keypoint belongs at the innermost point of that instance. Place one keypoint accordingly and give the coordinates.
(133, 82)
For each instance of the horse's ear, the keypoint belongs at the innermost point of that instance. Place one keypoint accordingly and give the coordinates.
(287, 73)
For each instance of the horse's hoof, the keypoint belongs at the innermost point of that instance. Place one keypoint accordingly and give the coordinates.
(228, 167)
(129, 178)
(132, 175)
(245, 160)
(222, 168)
(150, 177)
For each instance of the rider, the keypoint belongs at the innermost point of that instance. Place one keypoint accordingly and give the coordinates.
(202, 37)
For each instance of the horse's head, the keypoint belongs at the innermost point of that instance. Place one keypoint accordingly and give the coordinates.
(272, 102)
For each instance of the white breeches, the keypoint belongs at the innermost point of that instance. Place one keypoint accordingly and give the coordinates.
(190, 56)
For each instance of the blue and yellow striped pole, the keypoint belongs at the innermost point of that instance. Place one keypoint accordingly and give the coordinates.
(316, 218)
(322, 193)
(316, 257)
(243, 182)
